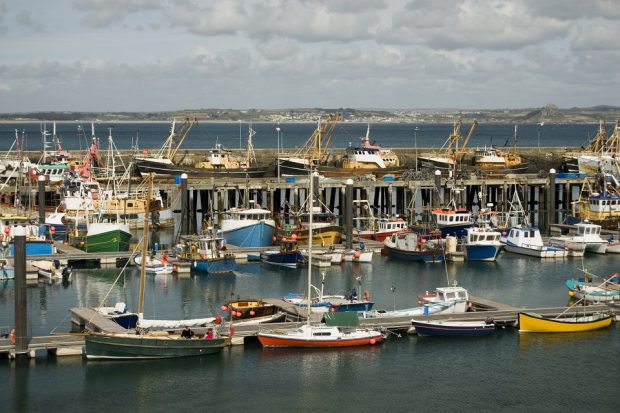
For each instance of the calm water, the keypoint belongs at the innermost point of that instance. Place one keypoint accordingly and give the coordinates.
(234, 135)
(504, 372)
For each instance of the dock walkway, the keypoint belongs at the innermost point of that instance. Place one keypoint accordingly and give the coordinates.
(505, 315)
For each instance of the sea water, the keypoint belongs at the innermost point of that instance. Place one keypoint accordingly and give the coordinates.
(507, 371)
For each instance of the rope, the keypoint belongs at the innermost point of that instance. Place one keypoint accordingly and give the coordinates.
(121, 272)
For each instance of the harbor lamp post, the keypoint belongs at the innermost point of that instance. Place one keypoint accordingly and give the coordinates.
(278, 130)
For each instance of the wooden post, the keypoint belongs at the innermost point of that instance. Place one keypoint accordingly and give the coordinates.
(348, 213)
(21, 299)
(437, 198)
(184, 205)
(41, 181)
(552, 199)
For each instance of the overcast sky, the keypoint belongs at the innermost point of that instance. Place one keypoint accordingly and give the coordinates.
(152, 55)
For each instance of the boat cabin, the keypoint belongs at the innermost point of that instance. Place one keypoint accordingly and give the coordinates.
(525, 236)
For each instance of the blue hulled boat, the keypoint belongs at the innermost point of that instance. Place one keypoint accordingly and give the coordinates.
(207, 253)
(287, 256)
(248, 227)
(482, 244)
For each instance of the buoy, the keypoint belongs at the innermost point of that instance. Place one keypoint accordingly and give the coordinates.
(224, 308)
(357, 254)
(294, 236)
(52, 230)
(571, 293)
(373, 341)
(218, 320)
(7, 230)
(252, 313)
(12, 336)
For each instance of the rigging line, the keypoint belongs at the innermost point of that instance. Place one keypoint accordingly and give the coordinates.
(121, 272)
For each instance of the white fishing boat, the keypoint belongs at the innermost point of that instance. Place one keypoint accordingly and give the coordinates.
(587, 235)
(154, 265)
(526, 240)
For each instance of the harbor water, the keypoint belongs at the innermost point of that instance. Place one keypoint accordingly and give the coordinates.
(233, 135)
(507, 371)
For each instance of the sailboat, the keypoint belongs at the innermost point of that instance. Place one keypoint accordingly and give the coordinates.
(150, 341)
(320, 335)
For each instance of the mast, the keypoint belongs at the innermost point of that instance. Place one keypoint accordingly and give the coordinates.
(145, 236)
(310, 233)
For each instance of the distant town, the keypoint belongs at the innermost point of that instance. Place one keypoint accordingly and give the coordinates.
(549, 113)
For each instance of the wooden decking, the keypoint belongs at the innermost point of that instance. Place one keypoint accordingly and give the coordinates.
(93, 321)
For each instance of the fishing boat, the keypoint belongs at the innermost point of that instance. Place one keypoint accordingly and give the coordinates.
(248, 227)
(452, 221)
(414, 246)
(455, 298)
(152, 339)
(588, 235)
(103, 237)
(369, 158)
(218, 163)
(453, 328)
(526, 240)
(339, 334)
(287, 256)
(366, 225)
(325, 228)
(536, 323)
(206, 253)
(452, 151)
(494, 161)
(482, 244)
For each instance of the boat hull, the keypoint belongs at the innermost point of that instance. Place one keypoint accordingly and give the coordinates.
(223, 265)
(112, 241)
(268, 340)
(427, 256)
(284, 259)
(471, 329)
(482, 252)
(592, 293)
(254, 235)
(145, 167)
(529, 323)
(127, 347)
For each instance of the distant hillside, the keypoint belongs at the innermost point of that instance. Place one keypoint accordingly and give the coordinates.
(549, 113)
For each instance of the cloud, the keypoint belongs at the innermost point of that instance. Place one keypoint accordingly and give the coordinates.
(24, 18)
(105, 13)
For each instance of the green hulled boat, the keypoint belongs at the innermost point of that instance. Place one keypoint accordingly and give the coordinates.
(103, 237)
(153, 339)
(158, 344)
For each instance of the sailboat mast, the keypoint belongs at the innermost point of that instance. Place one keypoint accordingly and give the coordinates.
(145, 236)
(310, 235)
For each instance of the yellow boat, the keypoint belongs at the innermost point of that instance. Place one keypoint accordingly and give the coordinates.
(536, 323)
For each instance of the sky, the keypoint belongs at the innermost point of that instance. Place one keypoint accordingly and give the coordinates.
(160, 55)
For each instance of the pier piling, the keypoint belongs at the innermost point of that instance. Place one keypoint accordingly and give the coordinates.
(21, 299)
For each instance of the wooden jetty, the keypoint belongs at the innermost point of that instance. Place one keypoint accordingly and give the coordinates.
(481, 309)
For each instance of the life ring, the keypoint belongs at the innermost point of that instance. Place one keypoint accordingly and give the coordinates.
(366, 295)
